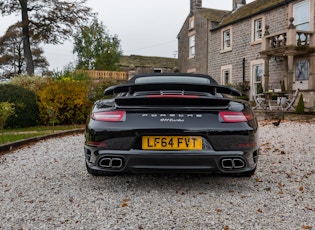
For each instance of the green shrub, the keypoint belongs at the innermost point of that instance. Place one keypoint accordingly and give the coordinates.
(6, 110)
(300, 106)
(67, 99)
(243, 97)
(70, 74)
(96, 89)
(282, 84)
(26, 109)
(33, 83)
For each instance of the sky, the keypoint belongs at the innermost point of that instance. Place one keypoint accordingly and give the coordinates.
(144, 27)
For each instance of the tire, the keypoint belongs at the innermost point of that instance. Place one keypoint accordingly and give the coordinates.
(94, 172)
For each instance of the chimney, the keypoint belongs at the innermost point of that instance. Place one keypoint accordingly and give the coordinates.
(194, 4)
(238, 3)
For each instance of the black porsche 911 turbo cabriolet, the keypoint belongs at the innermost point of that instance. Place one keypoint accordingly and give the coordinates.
(178, 123)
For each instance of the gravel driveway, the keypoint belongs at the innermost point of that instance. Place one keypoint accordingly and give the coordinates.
(46, 186)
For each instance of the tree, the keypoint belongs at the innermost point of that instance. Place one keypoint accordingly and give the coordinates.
(12, 61)
(50, 21)
(96, 48)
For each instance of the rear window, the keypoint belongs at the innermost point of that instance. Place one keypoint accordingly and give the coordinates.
(173, 79)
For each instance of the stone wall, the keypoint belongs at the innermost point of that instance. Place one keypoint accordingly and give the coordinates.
(198, 63)
(243, 47)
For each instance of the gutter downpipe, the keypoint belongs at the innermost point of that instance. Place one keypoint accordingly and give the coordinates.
(243, 73)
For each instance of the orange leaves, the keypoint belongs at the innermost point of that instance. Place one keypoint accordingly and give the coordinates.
(268, 189)
(29, 201)
(125, 202)
(280, 186)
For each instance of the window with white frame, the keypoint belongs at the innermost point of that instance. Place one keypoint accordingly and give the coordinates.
(257, 76)
(226, 39)
(226, 75)
(258, 29)
(302, 70)
(192, 46)
(301, 14)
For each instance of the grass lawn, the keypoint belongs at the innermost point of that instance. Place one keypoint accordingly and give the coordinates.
(11, 135)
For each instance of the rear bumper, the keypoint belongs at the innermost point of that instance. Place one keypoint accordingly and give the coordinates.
(205, 161)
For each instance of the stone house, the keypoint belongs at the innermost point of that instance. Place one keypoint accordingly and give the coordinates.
(260, 43)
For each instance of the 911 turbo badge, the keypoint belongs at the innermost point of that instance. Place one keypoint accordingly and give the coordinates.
(171, 120)
(171, 117)
(171, 123)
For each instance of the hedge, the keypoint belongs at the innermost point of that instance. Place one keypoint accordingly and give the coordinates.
(24, 100)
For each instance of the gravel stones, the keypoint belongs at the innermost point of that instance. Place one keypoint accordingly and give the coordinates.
(46, 186)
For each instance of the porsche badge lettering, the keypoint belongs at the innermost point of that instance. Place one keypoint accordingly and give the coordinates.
(172, 117)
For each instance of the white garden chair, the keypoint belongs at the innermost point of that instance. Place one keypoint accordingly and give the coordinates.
(291, 100)
(260, 100)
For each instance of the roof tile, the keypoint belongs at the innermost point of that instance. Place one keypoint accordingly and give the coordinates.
(248, 10)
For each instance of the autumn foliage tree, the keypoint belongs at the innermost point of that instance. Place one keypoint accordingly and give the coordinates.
(50, 22)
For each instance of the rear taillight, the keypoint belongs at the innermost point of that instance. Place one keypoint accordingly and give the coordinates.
(234, 117)
(110, 116)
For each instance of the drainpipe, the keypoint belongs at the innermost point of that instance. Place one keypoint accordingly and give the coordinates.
(243, 73)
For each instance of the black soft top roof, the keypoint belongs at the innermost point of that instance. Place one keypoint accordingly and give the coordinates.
(134, 78)
(133, 85)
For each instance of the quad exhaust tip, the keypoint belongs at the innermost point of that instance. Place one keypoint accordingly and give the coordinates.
(233, 163)
(111, 162)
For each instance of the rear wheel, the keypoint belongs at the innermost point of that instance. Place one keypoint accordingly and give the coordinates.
(98, 172)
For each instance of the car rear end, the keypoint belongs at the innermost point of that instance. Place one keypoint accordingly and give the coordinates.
(173, 131)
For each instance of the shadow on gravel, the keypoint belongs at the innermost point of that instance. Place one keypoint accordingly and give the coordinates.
(181, 182)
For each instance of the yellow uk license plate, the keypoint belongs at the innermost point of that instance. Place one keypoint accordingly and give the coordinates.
(172, 143)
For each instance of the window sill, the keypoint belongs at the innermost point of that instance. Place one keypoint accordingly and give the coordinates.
(257, 42)
(226, 50)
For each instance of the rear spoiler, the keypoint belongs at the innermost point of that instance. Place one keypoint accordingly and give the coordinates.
(131, 88)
